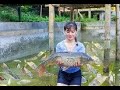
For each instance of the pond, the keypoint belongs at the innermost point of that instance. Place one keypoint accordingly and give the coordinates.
(28, 76)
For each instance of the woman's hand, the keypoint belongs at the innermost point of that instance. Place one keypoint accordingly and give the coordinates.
(59, 61)
(77, 63)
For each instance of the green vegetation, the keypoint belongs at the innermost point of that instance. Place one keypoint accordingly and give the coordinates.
(8, 13)
(88, 20)
(114, 18)
(31, 14)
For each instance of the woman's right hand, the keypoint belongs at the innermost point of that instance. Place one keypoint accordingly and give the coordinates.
(59, 61)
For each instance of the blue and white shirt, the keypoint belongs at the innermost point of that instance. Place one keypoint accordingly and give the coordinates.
(61, 47)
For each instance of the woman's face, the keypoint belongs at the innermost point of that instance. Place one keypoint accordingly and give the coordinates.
(70, 34)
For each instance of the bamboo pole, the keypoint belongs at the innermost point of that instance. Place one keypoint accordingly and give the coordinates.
(107, 38)
(117, 56)
(51, 27)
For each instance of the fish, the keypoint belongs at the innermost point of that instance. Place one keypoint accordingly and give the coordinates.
(13, 75)
(83, 80)
(28, 72)
(24, 81)
(98, 80)
(9, 71)
(32, 65)
(69, 58)
(2, 78)
(91, 69)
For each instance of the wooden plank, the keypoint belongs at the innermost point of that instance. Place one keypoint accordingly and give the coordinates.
(55, 5)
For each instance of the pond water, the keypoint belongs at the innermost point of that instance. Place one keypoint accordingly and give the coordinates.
(94, 43)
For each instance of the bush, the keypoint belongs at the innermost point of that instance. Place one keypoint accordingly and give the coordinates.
(26, 8)
(29, 17)
(8, 15)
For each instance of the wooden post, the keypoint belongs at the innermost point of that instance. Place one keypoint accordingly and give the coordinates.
(117, 56)
(63, 11)
(51, 27)
(19, 13)
(101, 17)
(107, 38)
(71, 13)
(80, 14)
(76, 13)
(40, 10)
(107, 41)
(89, 13)
(59, 11)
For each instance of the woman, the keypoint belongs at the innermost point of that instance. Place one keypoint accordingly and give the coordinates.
(69, 75)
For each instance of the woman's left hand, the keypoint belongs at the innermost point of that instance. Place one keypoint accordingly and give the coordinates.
(77, 63)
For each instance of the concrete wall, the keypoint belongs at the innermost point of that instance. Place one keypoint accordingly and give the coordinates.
(95, 25)
(20, 39)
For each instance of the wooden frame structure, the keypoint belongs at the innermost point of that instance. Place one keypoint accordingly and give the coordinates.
(107, 28)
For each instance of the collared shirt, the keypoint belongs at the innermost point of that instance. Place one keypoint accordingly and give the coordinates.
(61, 47)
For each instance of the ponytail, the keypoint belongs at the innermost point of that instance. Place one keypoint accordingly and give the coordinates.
(76, 41)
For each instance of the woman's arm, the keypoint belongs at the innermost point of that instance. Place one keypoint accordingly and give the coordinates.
(59, 60)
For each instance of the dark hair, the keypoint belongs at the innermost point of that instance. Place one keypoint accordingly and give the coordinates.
(68, 26)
